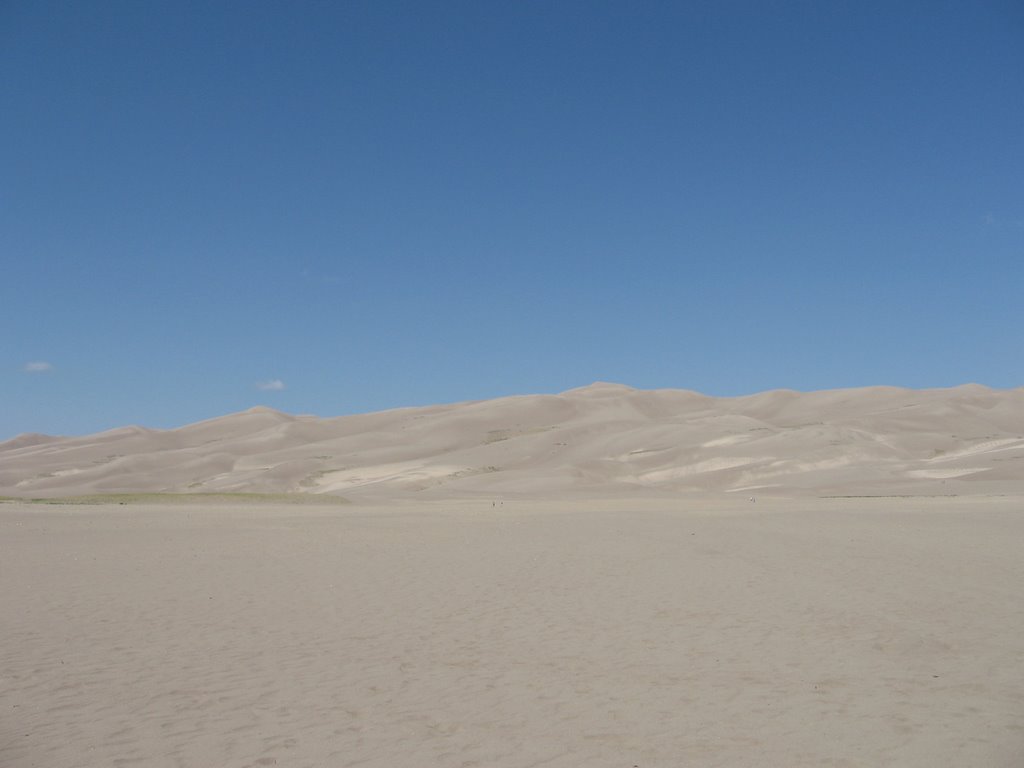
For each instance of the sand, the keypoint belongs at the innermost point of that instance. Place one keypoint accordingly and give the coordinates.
(714, 632)
(605, 440)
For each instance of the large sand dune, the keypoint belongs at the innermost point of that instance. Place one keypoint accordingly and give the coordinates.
(623, 604)
(604, 439)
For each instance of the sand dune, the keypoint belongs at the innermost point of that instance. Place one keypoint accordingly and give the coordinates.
(604, 439)
(622, 605)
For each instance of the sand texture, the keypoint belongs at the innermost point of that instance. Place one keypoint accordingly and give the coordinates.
(838, 632)
(583, 579)
(602, 440)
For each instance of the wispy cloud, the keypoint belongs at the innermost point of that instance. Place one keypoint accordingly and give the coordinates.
(37, 366)
(991, 221)
(271, 385)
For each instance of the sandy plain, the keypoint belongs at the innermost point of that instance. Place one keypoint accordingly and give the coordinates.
(618, 633)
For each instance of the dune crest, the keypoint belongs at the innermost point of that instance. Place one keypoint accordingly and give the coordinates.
(600, 440)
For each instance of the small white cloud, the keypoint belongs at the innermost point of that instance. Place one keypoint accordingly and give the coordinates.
(37, 366)
(989, 219)
(272, 385)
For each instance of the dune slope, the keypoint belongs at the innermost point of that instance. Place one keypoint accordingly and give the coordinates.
(600, 440)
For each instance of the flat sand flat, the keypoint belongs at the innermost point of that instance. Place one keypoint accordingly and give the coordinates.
(830, 632)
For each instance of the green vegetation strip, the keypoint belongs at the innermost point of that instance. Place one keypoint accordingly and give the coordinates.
(185, 498)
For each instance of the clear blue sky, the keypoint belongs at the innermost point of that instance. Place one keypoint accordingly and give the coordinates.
(377, 204)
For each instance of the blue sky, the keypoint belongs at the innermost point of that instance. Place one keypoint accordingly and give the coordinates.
(366, 205)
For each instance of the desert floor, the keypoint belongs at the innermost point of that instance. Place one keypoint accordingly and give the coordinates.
(830, 632)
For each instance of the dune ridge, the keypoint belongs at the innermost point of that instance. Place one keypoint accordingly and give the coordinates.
(600, 440)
